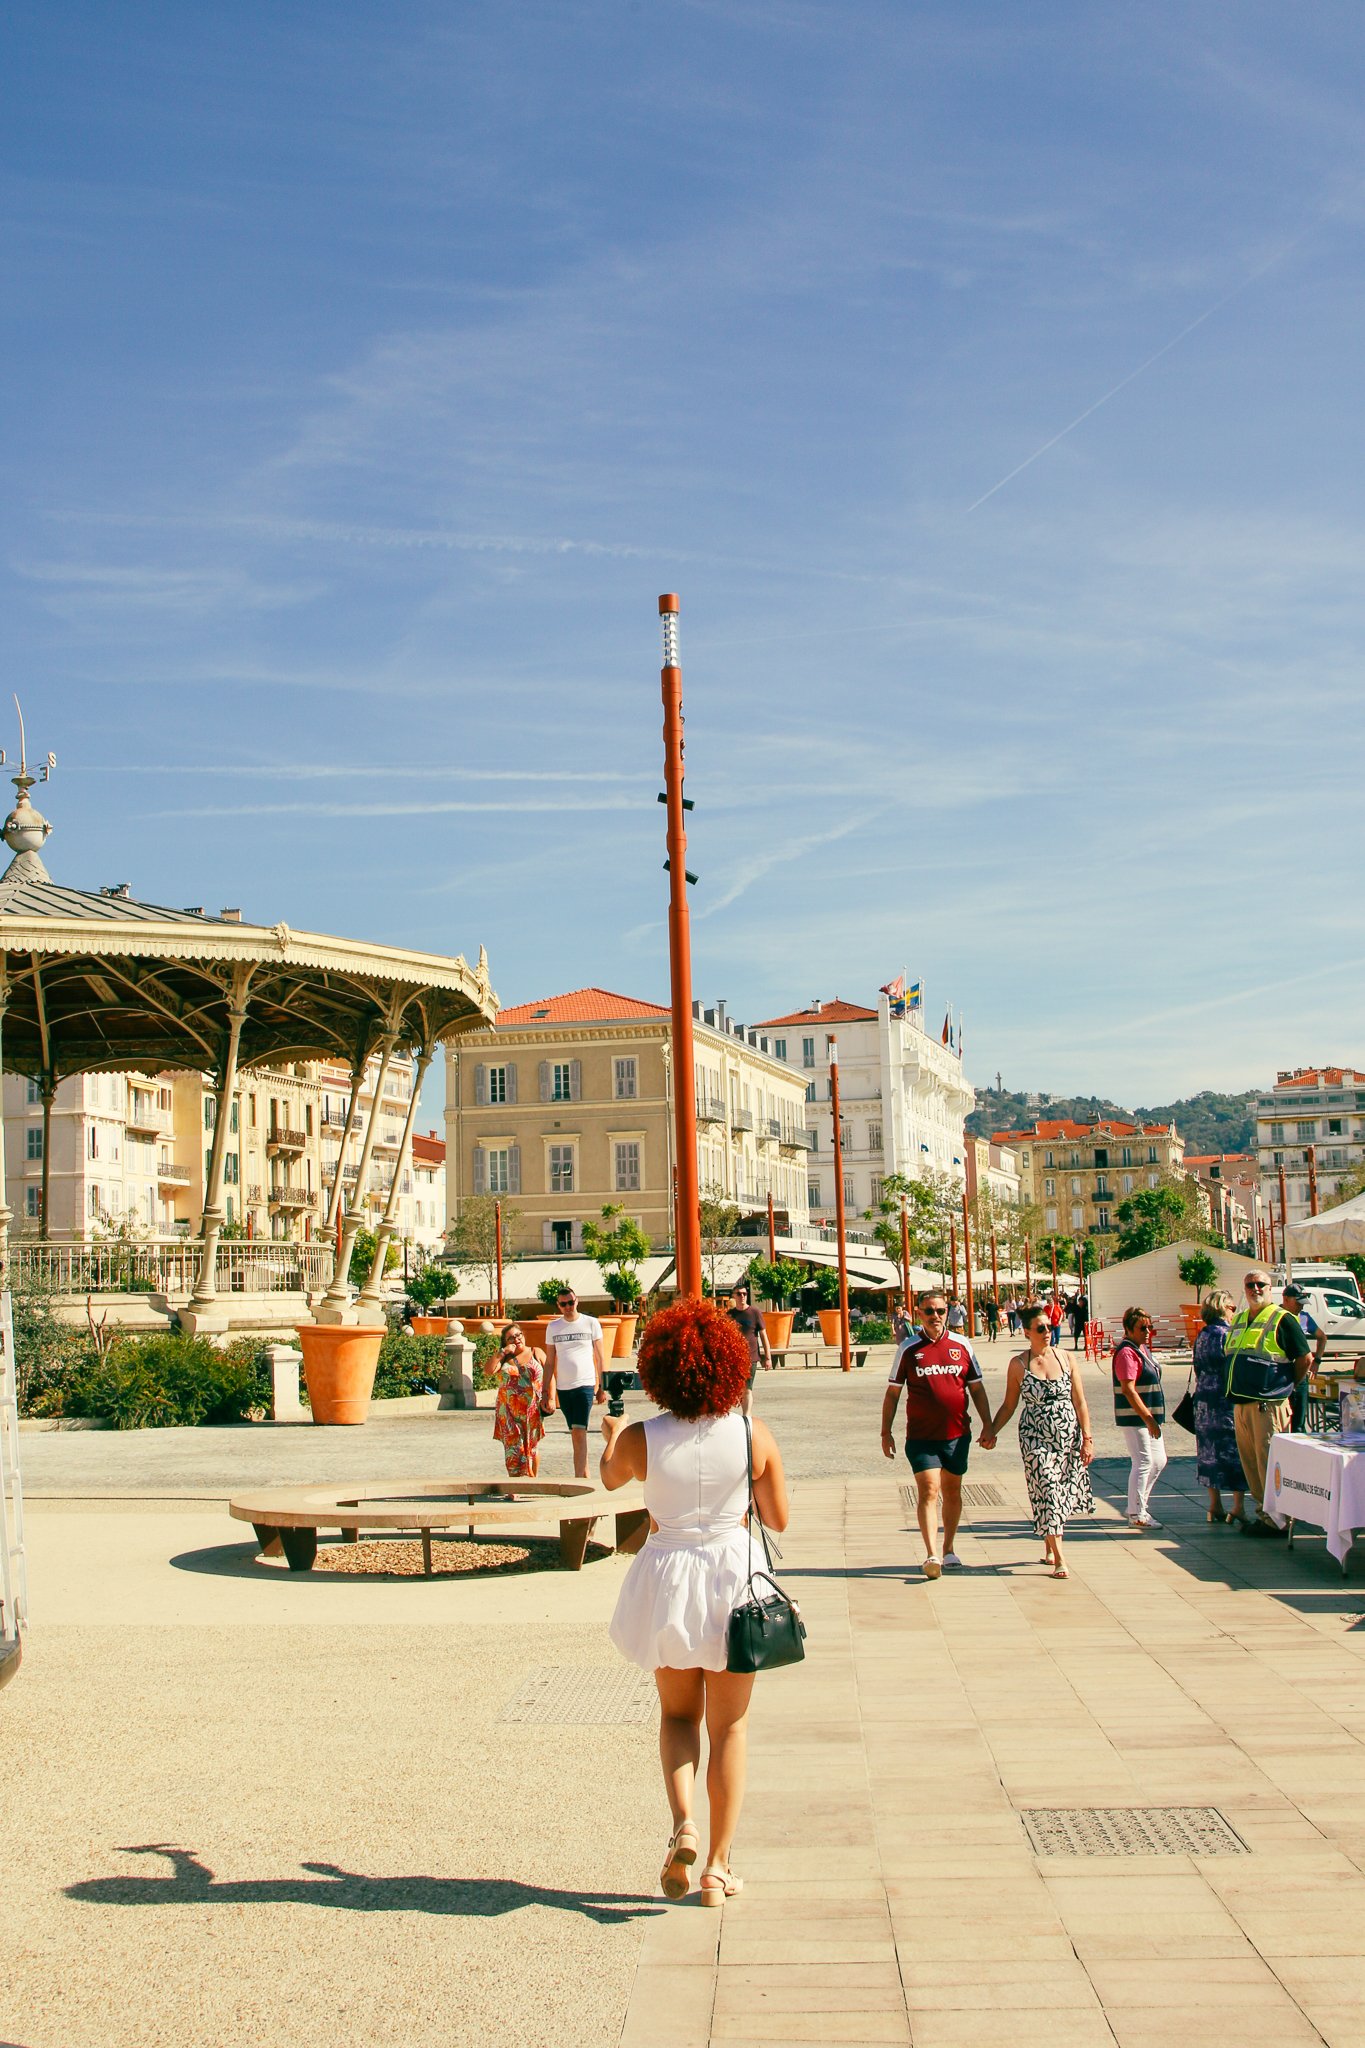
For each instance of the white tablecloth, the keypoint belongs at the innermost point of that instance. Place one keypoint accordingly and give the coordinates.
(1319, 1479)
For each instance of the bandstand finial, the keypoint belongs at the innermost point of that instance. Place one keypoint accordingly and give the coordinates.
(26, 830)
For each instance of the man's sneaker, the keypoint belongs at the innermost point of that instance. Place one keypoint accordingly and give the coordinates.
(951, 1561)
(932, 1567)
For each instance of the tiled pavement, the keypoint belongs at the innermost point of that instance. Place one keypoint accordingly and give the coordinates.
(892, 1893)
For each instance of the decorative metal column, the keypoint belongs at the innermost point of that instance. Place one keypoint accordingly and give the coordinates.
(1284, 1218)
(335, 1304)
(845, 1356)
(369, 1302)
(205, 1294)
(688, 1251)
(500, 1307)
(1312, 1180)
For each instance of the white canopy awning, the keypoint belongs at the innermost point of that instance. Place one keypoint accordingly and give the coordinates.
(1332, 1234)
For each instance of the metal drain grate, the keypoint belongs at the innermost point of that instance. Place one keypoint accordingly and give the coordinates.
(1131, 1831)
(972, 1497)
(584, 1696)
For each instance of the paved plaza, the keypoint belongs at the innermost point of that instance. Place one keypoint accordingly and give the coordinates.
(242, 1806)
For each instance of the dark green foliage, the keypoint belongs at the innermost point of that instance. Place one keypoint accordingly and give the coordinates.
(408, 1365)
(827, 1287)
(362, 1256)
(1208, 1121)
(430, 1284)
(780, 1283)
(549, 1291)
(1198, 1270)
(873, 1330)
(169, 1379)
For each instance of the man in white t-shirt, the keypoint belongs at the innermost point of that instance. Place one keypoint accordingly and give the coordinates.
(573, 1373)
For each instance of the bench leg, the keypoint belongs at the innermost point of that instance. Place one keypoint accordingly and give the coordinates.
(300, 1548)
(632, 1527)
(350, 1535)
(426, 1553)
(573, 1543)
(268, 1538)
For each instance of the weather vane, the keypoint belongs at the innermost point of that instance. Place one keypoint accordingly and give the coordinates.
(25, 830)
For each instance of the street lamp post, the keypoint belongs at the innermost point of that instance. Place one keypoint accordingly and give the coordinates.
(1028, 1273)
(907, 1292)
(1054, 1265)
(688, 1260)
(845, 1356)
(497, 1235)
(995, 1274)
(967, 1261)
(1284, 1218)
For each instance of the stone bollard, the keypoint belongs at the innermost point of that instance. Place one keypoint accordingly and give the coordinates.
(457, 1373)
(285, 1366)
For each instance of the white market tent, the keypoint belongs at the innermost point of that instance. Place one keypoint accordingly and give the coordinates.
(1153, 1282)
(1333, 1234)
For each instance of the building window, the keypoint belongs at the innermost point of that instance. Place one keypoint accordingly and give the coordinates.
(1126, 1184)
(1049, 1187)
(33, 1095)
(1077, 1215)
(34, 1140)
(1126, 1156)
(808, 1052)
(498, 1175)
(780, 1048)
(626, 1083)
(848, 1190)
(233, 1119)
(1048, 1159)
(1104, 1219)
(94, 1201)
(1151, 1155)
(1076, 1184)
(874, 1137)
(93, 1148)
(33, 1201)
(1152, 1179)
(1103, 1191)
(813, 1193)
(1334, 1126)
(561, 1081)
(845, 1135)
(497, 1084)
(1306, 1132)
(810, 1091)
(1277, 1159)
(627, 1162)
(232, 1172)
(561, 1237)
(210, 1112)
(829, 1089)
(1050, 1218)
(561, 1170)
(1101, 1155)
(876, 1191)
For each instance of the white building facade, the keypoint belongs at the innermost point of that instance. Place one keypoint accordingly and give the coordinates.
(903, 1098)
(1310, 1109)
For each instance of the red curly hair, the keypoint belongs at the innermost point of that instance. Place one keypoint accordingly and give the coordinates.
(693, 1361)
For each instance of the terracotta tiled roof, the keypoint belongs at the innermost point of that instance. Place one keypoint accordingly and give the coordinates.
(1062, 1128)
(431, 1151)
(580, 1006)
(834, 1012)
(1221, 1159)
(1319, 1077)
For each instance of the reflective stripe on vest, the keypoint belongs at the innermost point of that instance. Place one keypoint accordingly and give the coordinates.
(1149, 1385)
(1258, 1369)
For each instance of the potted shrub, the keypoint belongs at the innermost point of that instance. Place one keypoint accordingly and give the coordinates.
(827, 1304)
(428, 1285)
(617, 1246)
(1198, 1270)
(777, 1284)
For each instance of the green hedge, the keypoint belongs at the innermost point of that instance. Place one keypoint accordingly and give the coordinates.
(161, 1381)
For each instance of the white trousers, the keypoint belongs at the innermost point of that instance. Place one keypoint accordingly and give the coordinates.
(1146, 1463)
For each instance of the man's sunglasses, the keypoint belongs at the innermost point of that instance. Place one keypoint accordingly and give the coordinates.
(933, 1311)
(1257, 1286)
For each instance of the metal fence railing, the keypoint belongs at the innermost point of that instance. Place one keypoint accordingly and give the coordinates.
(171, 1266)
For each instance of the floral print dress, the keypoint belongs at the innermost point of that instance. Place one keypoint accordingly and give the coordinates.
(1219, 1462)
(518, 1423)
(1056, 1474)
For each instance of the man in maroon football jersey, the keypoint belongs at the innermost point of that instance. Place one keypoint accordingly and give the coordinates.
(938, 1370)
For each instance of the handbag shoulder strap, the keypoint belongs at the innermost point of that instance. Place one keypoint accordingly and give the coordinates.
(754, 1516)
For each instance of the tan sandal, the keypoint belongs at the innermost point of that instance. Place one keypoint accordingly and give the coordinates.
(682, 1854)
(719, 1885)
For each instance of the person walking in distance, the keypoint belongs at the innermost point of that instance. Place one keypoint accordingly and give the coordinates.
(1267, 1355)
(749, 1322)
(1079, 1313)
(1054, 1319)
(1054, 1436)
(939, 1373)
(673, 1611)
(1140, 1411)
(1291, 1300)
(957, 1315)
(573, 1373)
(992, 1314)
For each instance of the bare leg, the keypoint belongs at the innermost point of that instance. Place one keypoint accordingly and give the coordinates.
(952, 1507)
(1215, 1501)
(1239, 1505)
(747, 1404)
(682, 1701)
(926, 1508)
(727, 1731)
(580, 1453)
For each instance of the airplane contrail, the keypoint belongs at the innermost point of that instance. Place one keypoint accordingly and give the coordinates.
(1133, 375)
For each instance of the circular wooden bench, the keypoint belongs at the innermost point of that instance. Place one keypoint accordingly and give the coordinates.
(287, 1518)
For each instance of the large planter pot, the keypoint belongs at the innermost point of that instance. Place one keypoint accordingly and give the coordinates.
(430, 1326)
(829, 1325)
(625, 1337)
(1193, 1317)
(339, 1363)
(610, 1326)
(533, 1329)
(779, 1323)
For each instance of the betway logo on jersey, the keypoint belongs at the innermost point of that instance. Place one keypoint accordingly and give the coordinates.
(935, 1372)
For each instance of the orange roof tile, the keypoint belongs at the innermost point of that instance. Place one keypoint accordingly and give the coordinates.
(580, 1006)
(1318, 1077)
(1062, 1127)
(835, 1011)
(431, 1151)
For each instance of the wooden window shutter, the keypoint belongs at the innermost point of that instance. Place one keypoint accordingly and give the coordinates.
(547, 1237)
(514, 1169)
(575, 1080)
(511, 1081)
(480, 1083)
(480, 1170)
(545, 1080)
(578, 1237)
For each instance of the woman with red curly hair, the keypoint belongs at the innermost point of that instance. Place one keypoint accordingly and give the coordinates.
(675, 1606)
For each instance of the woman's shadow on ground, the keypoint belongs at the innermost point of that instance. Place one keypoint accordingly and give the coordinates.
(192, 1883)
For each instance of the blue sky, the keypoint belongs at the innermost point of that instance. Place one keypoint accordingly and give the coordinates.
(370, 370)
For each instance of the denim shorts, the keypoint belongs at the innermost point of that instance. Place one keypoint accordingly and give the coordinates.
(577, 1405)
(939, 1454)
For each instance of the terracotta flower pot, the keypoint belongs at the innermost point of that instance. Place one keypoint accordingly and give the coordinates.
(829, 1325)
(339, 1364)
(430, 1326)
(533, 1329)
(625, 1337)
(1194, 1319)
(610, 1326)
(779, 1323)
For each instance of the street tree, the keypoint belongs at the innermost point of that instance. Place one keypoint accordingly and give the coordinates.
(472, 1245)
(617, 1246)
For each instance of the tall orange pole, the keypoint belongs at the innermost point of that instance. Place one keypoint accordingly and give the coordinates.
(907, 1291)
(1312, 1180)
(952, 1252)
(1028, 1274)
(1284, 1242)
(772, 1237)
(967, 1259)
(845, 1355)
(995, 1274)
(688, 1259)
(500, 1309)
(1054, 1265)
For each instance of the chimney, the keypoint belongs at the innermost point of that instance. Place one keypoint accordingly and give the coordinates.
(720, 1015)
(123, 890)
(230, 916)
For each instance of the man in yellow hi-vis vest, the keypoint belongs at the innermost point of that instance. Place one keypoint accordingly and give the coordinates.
(1267, 1354)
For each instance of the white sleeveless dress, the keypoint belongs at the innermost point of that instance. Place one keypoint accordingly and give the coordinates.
(685, 1583)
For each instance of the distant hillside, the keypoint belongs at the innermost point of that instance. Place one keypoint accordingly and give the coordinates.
(1208, 1122)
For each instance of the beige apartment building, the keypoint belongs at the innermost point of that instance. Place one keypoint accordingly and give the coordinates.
(1317, 1111)
(566, 1104)
(1077, 1174)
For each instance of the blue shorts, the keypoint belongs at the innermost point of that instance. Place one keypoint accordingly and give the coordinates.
(939, 1454)
(577, 1405)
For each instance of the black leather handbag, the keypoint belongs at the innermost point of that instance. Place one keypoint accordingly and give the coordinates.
(766, 1629)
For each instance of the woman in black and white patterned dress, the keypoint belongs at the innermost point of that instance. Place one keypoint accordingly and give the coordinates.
(1054, 1436)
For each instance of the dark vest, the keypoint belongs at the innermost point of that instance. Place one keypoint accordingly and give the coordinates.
(1148, 1385)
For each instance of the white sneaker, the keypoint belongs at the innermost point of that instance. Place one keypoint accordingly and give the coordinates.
(951, 1561)
(1143, 1522)
(932, 1567)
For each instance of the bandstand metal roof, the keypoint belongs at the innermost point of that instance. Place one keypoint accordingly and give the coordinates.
(96, 981)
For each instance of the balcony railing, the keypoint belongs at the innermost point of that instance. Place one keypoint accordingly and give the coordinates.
(801, 1140)
(293, 1198)
(170, 1174)
(280, 1138)
(142, 1114)
(710, 1109)
(334, 1119)
(171, 1266)
(741, 1119)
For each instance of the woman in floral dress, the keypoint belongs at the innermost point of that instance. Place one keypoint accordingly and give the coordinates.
(518, 1423)
(1054, 1435)
(1215, 1431)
